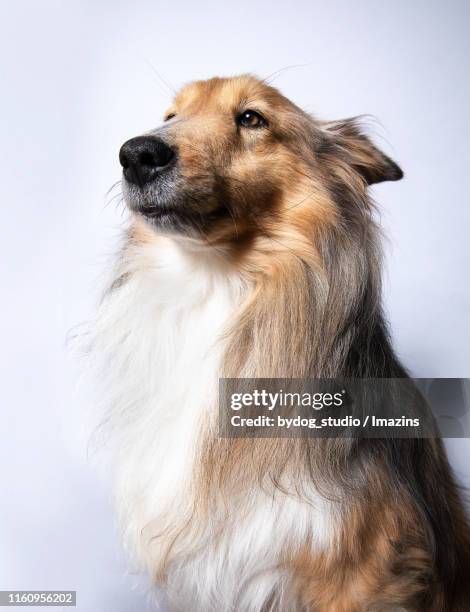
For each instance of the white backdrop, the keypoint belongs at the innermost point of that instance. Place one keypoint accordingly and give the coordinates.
(77, 80)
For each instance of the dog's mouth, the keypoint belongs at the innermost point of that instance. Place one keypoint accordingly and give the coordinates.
(160, 214)
(157, 200)
(153, 211)
(167, 206)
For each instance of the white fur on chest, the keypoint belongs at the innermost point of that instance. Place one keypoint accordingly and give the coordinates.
(160, 334)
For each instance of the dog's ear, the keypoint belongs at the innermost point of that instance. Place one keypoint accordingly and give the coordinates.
(346, 140)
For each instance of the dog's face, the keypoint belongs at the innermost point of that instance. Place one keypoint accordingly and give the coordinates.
(234, 154)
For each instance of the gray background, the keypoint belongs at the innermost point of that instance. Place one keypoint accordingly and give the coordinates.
(77, 79)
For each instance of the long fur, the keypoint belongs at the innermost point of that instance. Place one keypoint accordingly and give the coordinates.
(273, 270)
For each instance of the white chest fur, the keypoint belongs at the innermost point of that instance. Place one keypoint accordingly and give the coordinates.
(159, 336)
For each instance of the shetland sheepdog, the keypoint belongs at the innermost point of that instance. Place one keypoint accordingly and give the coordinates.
(252, 252)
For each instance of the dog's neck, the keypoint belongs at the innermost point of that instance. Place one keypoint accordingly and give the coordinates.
(291, 315)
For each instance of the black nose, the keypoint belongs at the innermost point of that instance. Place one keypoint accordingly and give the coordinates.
(142, 158)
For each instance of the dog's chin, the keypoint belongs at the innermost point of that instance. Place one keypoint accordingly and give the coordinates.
(164, 216)
(169, 209)
(158, 206)
(173, 215)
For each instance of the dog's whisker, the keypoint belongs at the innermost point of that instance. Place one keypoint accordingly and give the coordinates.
(268, 80)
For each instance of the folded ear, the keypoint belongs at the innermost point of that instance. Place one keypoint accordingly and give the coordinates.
(347, 140)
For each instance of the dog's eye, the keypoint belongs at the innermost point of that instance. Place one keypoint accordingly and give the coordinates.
(169, 116)
(251, 119)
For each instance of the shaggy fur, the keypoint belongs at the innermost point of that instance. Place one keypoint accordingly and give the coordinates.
(255, 255)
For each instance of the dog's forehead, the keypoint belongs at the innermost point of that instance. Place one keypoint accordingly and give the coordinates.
(226, 94)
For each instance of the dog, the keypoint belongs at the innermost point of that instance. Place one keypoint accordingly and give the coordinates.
(252, 252)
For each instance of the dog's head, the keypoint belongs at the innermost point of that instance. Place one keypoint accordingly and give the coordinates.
(234, 156)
